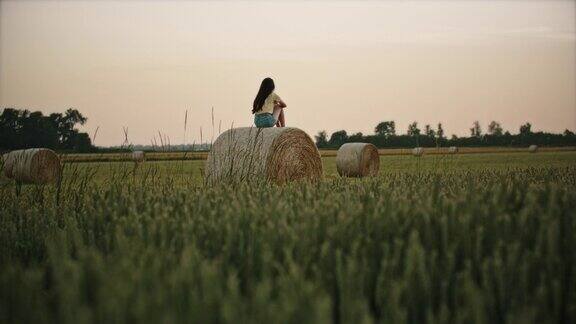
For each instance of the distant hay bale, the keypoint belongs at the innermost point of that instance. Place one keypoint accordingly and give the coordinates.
(533, 148)
(453, 150)
(357, 160)
(273, 154)
(417, 151)
(37, 165)
(138, 156)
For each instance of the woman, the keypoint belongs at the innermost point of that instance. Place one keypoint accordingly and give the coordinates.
(268, 108)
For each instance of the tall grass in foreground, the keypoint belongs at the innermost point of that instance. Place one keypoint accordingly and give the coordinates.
(484, 246)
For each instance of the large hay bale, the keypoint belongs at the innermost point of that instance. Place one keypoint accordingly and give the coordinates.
(533, 148)
(138, 156)
(274, 154)
(36, 165)
(417, 151)
(357, 160)
(453, 150)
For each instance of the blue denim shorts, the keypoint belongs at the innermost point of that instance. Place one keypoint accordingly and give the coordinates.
(264, 120)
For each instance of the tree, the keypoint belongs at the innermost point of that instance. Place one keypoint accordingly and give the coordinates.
(20, 129)
(386, 128)
(81, 143)
(358, 137)
(413, 129)
(494, 128)
(321, 139)
(476, 131)
(66, 125)
(338, 138)
(9, 127)
(526, 129)
(567, 132)
(429, 131)
(440, 131)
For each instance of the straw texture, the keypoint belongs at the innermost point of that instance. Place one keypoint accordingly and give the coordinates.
(36, 165)
(274, 154)
(357, 160)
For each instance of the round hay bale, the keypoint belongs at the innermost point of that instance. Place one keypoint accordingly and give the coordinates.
(453, 150)
(36, 165)
(417, 151)
(357, 160)
(533, 148)
(273, 154)
(138, 156)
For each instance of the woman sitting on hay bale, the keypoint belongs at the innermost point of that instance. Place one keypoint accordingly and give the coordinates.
(268, 108)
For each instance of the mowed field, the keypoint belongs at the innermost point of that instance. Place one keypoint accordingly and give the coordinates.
(466, 238)
(202, 155)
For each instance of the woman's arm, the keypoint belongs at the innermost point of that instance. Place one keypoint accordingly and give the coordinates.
(280, 103)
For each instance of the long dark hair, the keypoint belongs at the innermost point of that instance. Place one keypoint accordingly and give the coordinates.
(266, 89)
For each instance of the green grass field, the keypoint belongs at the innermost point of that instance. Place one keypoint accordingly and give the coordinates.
(474, 238)
(190, 171)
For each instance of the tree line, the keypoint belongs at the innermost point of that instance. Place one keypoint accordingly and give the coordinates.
(385, 136)
(21, 129)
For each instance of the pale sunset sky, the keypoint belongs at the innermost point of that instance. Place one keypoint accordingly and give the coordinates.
(337, 64)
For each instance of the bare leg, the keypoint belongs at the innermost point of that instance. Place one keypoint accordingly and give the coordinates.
(279, 117)
(282, 119)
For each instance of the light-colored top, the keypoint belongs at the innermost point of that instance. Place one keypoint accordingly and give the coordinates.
(268, 107)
